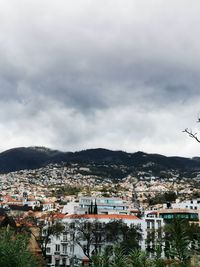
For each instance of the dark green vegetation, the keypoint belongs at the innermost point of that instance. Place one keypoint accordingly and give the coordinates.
(91, 235)
(37, 157)
(181, 243)
(66, 190)
(163, 198)
(14, 250)
(118, 258)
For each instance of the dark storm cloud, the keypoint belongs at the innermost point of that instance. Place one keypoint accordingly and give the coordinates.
(79, 74)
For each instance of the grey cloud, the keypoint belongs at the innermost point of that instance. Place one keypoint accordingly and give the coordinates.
(122, 75)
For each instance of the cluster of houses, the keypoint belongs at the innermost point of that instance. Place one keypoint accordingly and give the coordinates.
(63, 249)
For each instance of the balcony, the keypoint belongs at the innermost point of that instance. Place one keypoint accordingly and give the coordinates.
(64, 241)
(64, 253)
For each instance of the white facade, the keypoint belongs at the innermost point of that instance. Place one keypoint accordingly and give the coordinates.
(154, 225)
(187, 204)
(70, 207)
(104, 205)
(48, 206)
(64, 251)
(31, 203)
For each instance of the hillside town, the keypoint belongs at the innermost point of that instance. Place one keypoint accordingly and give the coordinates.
(70, 195)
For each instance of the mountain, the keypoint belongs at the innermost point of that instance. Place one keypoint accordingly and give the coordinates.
(36, 157)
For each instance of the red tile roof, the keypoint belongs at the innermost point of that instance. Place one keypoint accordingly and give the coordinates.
(59, 216)
(102, 216)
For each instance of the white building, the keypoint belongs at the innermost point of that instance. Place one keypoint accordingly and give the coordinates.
(154, 227)
(64, 251)
(187, 204)
(48, 206)
(104, 205)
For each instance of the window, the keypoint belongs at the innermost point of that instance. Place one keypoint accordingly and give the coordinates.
(57, 248)
(159, 224)
(49, 259)
(71, 249)
(64, 261)
(64, 249)
(57, 262)
(64, 237)
(72, 225)
(48, 250)
(44, 232)
(72, 236)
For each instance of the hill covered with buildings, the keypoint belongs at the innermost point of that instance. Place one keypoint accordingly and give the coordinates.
(36, 157)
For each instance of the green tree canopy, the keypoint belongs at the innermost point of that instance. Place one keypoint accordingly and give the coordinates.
(14, 250)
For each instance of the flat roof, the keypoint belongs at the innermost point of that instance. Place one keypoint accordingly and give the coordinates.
(177, 211)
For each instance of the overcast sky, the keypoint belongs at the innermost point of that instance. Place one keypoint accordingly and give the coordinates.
(77, 74)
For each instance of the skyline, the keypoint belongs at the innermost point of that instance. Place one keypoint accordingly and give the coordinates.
(122, 75)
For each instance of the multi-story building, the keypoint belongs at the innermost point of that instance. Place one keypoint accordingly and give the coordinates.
(104, 205)
(64, 250)
(193, 204)
(153, 233)
(170, 214)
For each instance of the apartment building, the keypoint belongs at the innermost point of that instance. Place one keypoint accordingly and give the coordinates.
(104, 205)
(64, 250)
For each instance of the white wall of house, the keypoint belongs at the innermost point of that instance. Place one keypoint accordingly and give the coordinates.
(69, 208)
(64, 247)
(187, 204)
(31, 203)
(48, 206)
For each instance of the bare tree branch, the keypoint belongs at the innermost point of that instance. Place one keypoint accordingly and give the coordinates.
(192, 135)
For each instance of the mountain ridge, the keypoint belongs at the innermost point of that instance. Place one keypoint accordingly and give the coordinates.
(21, 158)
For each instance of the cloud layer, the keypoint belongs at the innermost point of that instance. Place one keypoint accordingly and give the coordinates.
(114, 74)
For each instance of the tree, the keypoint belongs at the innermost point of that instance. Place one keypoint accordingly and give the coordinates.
(46, 231)
(42, 230)
(138, 258)
(178, 242)
(163, 198)
(88, 235)
(93, 235)
(118, 258)
(191, 133)
(14, 249)
(131, 236)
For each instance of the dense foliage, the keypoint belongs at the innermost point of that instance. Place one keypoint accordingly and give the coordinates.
(14, 250)
(163, 198)
(181, 244)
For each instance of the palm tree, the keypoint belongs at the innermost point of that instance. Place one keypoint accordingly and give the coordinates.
(177, 238)
(119, 258)
(138, 258)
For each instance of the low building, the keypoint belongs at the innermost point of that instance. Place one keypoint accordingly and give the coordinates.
(170, 214)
